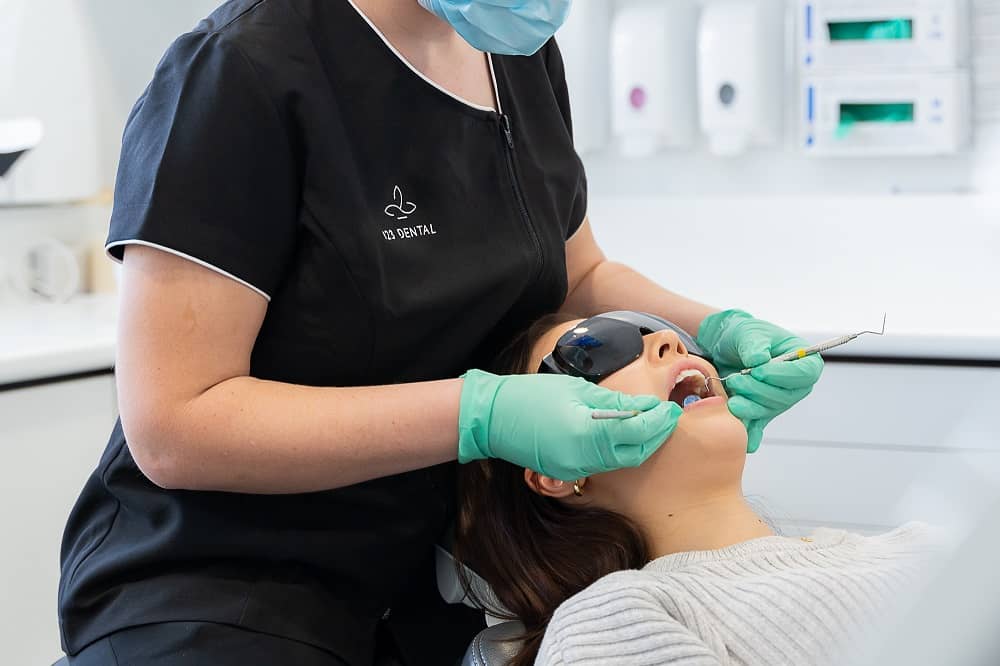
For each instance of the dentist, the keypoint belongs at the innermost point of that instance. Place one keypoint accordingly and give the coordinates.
(328, 211)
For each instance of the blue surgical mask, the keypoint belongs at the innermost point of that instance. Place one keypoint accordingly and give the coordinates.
(505, 27)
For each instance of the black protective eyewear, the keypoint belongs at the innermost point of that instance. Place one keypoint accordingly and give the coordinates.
(603, 345)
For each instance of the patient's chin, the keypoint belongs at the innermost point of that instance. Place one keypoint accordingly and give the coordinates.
(714, 428)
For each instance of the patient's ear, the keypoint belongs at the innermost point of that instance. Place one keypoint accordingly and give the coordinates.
(547, 486)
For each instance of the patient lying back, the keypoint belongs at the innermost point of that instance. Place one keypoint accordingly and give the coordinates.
(770, 600)
(667, 563)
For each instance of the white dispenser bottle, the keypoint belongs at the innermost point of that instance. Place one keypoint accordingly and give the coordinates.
(652, 80)
(739, 74)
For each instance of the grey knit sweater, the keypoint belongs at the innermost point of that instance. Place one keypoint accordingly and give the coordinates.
(768, 601)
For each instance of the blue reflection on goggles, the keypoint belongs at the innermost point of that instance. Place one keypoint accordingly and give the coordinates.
(587, 342)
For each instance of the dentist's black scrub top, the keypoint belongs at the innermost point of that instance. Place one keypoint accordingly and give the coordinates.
(401, 235)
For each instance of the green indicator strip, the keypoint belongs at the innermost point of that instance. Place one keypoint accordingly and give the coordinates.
(852, 114)
(857, 31)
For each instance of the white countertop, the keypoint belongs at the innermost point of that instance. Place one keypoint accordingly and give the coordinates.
(825, 267)
(42, 340)
(931, 263)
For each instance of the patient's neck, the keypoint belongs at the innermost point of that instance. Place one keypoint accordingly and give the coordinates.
(703, 523)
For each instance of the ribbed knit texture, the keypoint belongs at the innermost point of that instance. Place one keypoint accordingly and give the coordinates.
(768, 601)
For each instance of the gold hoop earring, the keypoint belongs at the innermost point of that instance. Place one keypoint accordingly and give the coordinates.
(577, 490)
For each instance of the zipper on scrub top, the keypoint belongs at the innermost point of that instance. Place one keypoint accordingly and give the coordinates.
(508, 133)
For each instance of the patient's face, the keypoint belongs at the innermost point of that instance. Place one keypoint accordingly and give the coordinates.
(706, 450)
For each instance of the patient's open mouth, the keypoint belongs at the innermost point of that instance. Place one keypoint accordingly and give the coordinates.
(689, 387)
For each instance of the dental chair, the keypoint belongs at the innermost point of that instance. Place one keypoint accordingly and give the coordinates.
(493, 646)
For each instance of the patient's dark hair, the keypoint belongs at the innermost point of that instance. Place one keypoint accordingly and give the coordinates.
(534, 551)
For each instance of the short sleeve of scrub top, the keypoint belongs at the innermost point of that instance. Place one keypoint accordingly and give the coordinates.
(209, 174)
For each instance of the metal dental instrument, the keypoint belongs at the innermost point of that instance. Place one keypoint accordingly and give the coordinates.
(802, 353)
(608, 414)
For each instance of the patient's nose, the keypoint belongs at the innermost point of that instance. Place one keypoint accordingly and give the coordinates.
(664, 347)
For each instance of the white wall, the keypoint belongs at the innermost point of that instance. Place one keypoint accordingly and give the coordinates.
(129, 37)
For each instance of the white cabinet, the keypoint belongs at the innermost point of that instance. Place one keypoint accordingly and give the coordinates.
(51, 438)
(877, 445)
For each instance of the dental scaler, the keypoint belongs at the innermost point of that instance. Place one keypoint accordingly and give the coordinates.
(609, 414)
(802, 353)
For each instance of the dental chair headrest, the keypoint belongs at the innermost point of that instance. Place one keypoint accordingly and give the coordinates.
(494, 646)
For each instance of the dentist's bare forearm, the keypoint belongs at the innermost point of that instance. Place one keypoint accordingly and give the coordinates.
(612, 286)
(195, 419)
(252, 436)
(597, 285)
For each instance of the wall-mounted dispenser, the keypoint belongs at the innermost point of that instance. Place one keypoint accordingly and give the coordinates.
(739, 74)
(45, 75)
(584, 41)
(652, 80)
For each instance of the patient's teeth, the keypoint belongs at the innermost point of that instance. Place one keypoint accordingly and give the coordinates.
(684, 374)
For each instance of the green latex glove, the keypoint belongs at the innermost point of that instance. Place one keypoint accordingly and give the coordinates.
(543, 422)
(735, 340)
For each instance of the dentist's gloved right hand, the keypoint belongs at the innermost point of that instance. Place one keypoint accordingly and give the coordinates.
(543, 422)
(736, 340)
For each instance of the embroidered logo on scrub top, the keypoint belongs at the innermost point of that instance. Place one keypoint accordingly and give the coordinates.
(400, 210)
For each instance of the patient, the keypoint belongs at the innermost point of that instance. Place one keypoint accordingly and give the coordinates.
(666, 563)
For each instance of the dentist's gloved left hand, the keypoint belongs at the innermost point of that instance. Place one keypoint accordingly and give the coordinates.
(736, 340)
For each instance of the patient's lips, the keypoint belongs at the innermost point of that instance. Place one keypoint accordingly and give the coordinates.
(707, 402)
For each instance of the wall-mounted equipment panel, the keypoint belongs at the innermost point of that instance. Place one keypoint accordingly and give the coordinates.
(836, 34)
(881, 115)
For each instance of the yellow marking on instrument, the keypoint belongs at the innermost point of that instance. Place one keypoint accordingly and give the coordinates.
(803, 353)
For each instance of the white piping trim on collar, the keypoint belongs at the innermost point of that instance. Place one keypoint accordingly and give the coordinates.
(496, 86)
(583, 223)
(205, 264)
(416, 71)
